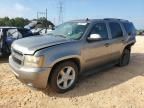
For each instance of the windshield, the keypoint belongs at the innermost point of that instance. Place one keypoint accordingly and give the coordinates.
(70, 30)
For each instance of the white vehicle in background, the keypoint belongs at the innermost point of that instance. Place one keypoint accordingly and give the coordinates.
(40, 27)
(41, 31)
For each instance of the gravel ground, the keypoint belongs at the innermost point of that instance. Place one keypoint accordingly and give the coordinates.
(113, 88)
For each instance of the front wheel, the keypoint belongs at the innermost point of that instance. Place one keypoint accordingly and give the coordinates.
(64, 77)
(125, 58)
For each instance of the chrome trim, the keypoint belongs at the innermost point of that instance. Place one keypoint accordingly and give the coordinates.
(17, 55)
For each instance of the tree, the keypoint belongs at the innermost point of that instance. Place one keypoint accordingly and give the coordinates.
(44, 23)
(18, 22)
(21, 22)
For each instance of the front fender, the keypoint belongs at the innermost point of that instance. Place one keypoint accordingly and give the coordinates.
(59, 59)
(59, 53)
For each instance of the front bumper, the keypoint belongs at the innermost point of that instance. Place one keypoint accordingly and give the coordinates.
(34, 77)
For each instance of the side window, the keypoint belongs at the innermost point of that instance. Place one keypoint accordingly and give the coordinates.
(14, 33)
(116, 30)
(130, 29)
(101, 29)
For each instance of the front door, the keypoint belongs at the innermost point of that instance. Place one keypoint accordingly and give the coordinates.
(98, 52)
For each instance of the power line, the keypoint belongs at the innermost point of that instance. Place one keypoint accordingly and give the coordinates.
(43, 14)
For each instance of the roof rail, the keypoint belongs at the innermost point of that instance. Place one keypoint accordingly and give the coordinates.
(115, 19)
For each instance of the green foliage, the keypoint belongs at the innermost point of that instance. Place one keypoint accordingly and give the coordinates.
(18, 22)
(140, 32)
(44, 23)
(21, 22)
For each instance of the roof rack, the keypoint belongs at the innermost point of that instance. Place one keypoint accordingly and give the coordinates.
(115, 19)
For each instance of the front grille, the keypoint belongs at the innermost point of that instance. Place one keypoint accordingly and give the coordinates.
(17, 56)
(17, 60)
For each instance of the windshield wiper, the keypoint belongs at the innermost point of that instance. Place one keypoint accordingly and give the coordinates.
(57, 35)
(61, 36)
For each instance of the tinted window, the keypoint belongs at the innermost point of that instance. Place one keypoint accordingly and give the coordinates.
(129, 27)
(23, 31)
(101, 29)
(116, 30)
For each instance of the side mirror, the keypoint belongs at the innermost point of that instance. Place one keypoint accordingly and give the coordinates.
(94, 37)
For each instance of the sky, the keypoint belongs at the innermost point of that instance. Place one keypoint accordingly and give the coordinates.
(76, 9)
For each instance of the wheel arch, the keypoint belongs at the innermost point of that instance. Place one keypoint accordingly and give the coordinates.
(128, 46)
(76, 60)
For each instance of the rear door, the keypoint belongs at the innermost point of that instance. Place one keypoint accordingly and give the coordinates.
(117, 39)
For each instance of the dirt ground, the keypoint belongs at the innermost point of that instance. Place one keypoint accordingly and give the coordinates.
(113, 88)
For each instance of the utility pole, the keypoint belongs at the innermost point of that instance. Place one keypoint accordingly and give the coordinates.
(37, 16)
(46, 14)
(54, 21)
(43, 14)
(60, 17)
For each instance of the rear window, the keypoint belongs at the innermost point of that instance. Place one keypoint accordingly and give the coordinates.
(130, 29)
(116, 30)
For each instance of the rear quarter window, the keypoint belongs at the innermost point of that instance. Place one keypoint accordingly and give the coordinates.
(130, 29)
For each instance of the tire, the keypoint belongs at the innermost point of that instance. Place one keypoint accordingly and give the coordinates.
(125, 58)
(61, 74)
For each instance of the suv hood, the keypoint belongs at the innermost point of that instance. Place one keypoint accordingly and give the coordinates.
(31, 44)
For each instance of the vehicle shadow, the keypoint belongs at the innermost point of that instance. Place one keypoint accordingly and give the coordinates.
(106, 79)
(4, 59)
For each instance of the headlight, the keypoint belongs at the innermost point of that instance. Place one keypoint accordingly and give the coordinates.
(32, 61)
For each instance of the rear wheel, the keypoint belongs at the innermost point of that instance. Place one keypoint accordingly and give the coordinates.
(125, 58)
(64, 77)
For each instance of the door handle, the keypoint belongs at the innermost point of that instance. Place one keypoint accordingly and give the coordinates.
(107, 45)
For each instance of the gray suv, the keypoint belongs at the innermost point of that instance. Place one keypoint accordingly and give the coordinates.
(72, 49)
